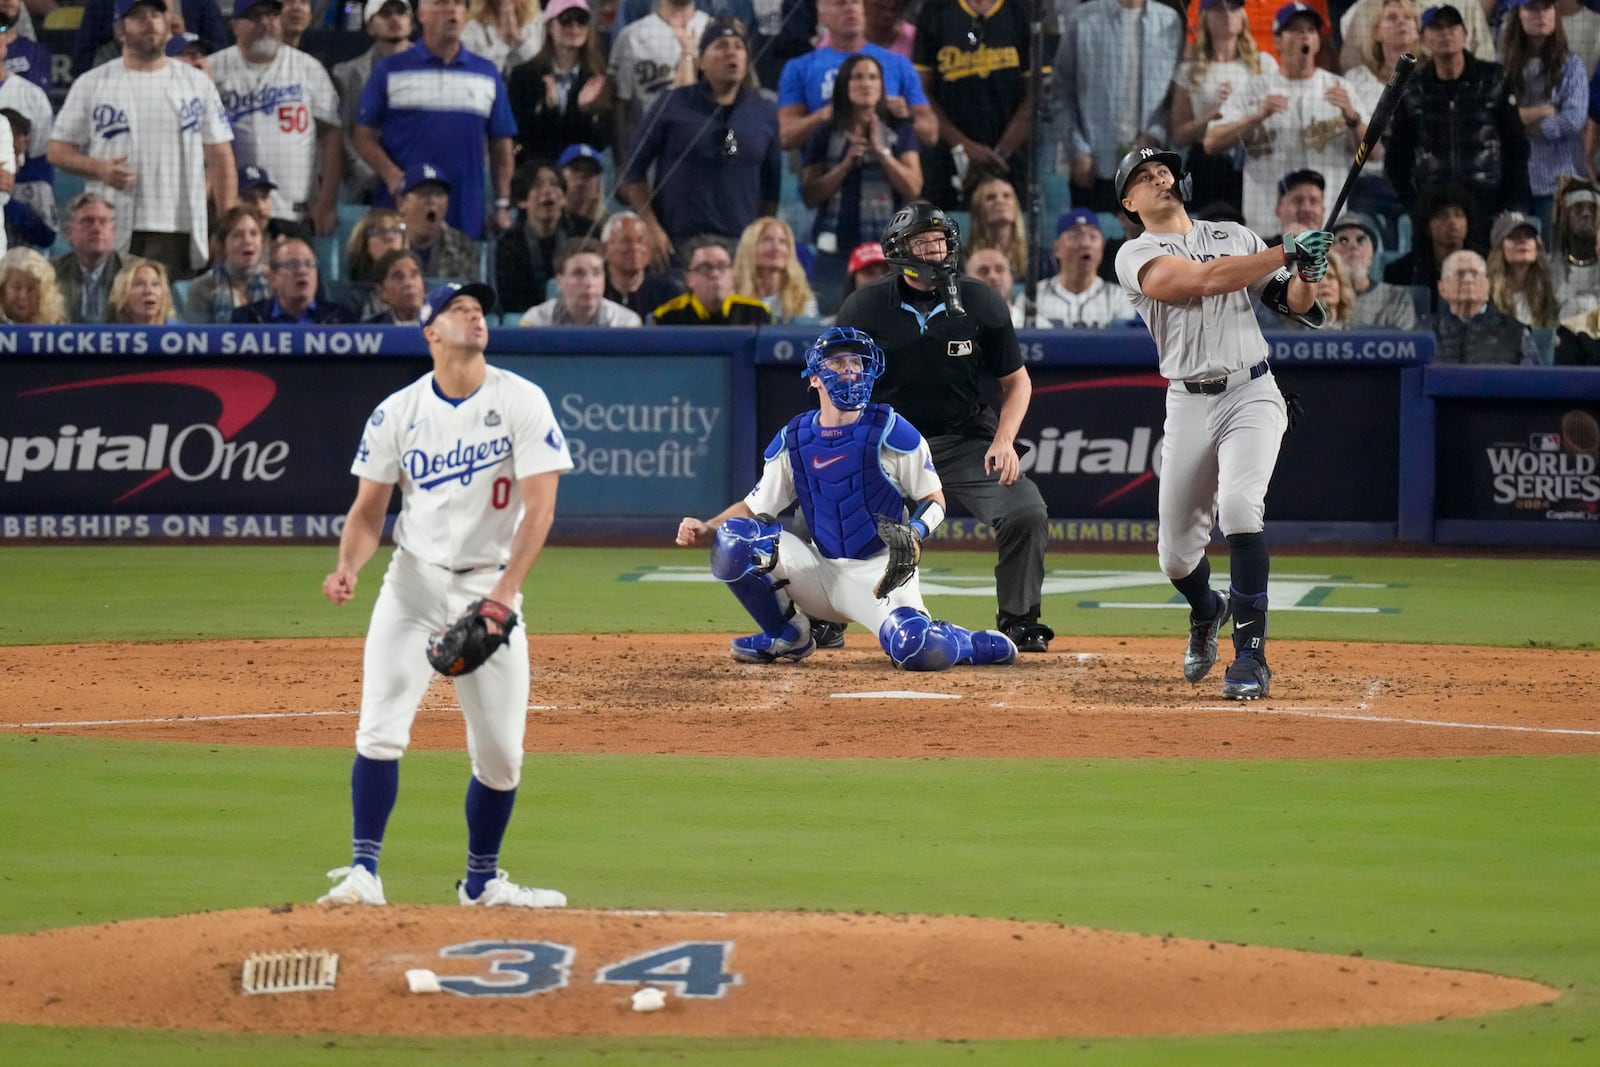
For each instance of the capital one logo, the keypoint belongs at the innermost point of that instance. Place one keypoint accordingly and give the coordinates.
(193, 453)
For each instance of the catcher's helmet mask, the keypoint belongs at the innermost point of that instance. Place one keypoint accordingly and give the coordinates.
(915, 218)
(847, 393)
(1182, 184)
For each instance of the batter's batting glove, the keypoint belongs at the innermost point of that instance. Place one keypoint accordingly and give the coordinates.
(1307, 253)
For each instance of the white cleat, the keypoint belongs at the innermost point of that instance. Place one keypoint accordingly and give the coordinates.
(359, 886)
(502, 892)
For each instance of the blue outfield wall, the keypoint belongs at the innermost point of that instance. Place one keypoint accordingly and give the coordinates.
(210, 433)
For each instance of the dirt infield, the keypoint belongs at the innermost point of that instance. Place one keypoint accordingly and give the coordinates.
(853, 976)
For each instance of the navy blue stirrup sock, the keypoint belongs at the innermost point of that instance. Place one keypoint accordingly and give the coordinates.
(374, 784)
(488, 814)
(1247, 572)
(1196, 589)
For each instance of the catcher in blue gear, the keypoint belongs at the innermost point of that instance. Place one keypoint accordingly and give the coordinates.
(852, 467)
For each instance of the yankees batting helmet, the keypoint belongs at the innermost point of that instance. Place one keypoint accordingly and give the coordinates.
(849, 394)
(920, 216)
(1139, 156)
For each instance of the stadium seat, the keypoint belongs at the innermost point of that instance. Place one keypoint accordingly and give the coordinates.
(180, 296)
(330, 258)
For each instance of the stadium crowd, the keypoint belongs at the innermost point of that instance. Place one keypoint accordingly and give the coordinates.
(655, 162)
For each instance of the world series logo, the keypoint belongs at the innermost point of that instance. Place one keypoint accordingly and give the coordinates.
(1554, 472)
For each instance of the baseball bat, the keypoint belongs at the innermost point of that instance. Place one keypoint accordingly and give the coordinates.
(1380, 122)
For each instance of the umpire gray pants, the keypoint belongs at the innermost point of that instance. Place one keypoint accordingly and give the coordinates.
(1015, 512)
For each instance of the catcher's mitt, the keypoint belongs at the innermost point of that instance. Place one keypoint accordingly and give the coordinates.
(905, 550)
(464, 646)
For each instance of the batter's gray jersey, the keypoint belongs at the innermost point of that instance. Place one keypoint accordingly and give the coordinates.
(1208, 336)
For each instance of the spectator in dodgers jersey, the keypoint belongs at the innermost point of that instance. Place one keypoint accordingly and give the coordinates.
(25, 56)
(651, 56)
(201, 17)
(438, 103)
(284, 113)
(1298, 117)
(806, 92)
(86, 270)
(151, 136)
(973, 61)
(1077, 296)
(388, 23)
(581, 284)
(292, 274)
(715, 149)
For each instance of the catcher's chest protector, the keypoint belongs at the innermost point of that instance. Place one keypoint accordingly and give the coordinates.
(840, 482)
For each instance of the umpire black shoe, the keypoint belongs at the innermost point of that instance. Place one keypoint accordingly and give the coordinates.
(1029, 636)
(1200, 655)
(828, 634)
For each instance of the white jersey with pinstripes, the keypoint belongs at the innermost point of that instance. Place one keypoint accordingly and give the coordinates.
(1208, 336)
(458, 465)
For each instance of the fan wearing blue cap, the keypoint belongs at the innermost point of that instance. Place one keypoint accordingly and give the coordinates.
(476, 453)
(160, 155)
(1076, 296)
(1298, 117)
(1458, 99)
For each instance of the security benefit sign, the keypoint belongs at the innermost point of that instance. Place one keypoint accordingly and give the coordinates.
(1530, 461)
(648, 434)
(88, 437)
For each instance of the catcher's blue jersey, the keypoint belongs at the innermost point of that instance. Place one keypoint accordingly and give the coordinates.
(839, 479)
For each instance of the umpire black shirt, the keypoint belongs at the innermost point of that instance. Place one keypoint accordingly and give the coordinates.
(935, 372)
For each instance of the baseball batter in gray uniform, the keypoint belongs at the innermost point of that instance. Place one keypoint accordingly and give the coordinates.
(1191, 281)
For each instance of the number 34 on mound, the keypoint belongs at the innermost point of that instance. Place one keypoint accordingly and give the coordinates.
(524, 968)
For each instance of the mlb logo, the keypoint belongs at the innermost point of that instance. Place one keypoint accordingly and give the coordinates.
(1544, 442)
(958, 349)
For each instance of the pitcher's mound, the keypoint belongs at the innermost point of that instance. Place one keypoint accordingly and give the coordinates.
(769, 974)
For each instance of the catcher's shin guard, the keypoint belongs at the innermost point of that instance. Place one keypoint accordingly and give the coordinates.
(982, 648)
(743, 555)
(917, 643)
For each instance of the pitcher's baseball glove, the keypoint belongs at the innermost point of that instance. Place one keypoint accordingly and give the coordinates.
(905, 550)
(464, 646)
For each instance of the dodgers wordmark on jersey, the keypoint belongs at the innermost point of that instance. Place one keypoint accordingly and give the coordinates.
(458, 464)
(1207, 336)
(274, 109)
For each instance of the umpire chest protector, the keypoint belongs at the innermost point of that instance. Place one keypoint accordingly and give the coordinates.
(936, 366)
(839, 479)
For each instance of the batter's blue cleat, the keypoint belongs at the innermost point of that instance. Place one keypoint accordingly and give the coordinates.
(1248, 679)
(1200, 655)
(794, 643)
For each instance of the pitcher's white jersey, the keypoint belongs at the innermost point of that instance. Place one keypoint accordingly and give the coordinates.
(274, 109)
(458, 464)
(1207, 336)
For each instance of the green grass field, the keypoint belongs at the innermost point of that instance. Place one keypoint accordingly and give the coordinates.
(1486, 864)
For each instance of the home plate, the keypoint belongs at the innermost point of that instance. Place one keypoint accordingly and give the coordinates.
(896, 694)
